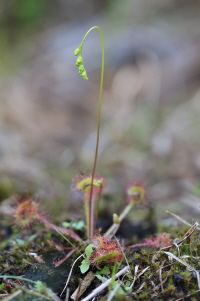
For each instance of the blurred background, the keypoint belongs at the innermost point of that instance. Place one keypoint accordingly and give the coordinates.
(151, 106)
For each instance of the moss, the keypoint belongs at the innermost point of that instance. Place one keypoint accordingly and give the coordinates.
(143, 296)
(153, 266)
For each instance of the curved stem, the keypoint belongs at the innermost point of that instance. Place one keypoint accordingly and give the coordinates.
(18, 278)
(98, 127)
(91, 219)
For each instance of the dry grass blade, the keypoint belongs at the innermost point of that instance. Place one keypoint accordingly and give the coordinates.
(140, 274)
(70, 274)
(143, 271)
(180, 219)
(141, 287)
(178, 242)
(198, 278)
(105, 284)
(189, 267)
(135, 276)
(160, 277)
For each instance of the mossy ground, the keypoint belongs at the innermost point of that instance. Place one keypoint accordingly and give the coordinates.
(31, 253)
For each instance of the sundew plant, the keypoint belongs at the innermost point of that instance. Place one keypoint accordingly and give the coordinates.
(119, 270)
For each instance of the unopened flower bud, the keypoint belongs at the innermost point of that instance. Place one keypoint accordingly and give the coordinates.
(79, 60)
(84, 75)
(81, 68)
(77, 51)
(116, 219)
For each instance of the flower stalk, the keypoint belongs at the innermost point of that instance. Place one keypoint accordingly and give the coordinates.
(82, 72)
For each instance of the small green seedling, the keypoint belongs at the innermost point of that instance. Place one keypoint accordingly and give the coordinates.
(74, 225)
(85, 264)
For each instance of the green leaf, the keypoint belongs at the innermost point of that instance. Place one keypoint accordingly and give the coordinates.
(121, 291)
(128, 283)
(80, 225)
(85, 264)
(104, 271)
(107, 256)
(89, 250)
(75, 225)
(32, 237)
(128, 289)
(101, 278)
(66, 224)
(20, 242)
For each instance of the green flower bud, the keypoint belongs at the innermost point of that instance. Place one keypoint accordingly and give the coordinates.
(81, 68)
(77, 51)
(116, 219)
(84, 75)
(79, 60)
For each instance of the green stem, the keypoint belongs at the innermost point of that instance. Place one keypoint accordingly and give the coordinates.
(17, 277)
(98, 126)
(91, 214)
(113, 229)
(87, 215)
(126, 210)
(97, 207)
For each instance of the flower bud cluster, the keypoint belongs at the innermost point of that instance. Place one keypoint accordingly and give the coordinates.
(80, 63)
